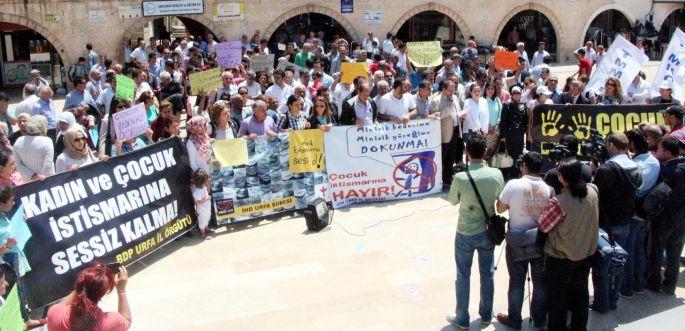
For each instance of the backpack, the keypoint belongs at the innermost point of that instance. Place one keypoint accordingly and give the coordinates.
(655, 201)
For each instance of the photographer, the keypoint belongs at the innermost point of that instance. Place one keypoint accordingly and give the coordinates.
(567, 149)
(617, 181)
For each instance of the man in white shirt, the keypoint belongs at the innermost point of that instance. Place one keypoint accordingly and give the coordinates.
(140, 84)
(590, 52)
(638, 91)
(397, 106)
(279, 89)
(521, 49)
(253, 88)
(388, 46)
(340, 91)
(600, 54)
(540, 54)
(139, 57)
(105, 98)
(367, 43)
(26, 105)
(182, 48)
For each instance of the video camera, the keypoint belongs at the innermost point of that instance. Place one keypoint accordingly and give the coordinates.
(560, 151)
(595, 147)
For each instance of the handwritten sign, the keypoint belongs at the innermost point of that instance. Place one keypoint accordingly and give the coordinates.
(205, 81)
(229, 54)
(350, 70)
(130, 123)
(125, 88)
(230, 152)
(262, 62)
(425, 53)
(10, 313)
(306, 151)
(505, 60)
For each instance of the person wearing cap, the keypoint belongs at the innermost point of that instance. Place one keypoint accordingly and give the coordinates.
(673, 117)
(37, 80)
(613, 93)
(665, 94)
(542, 97)
(513, 126)
(575, 95)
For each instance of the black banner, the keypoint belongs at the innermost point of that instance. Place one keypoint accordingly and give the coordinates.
(551, 122)
(114, 211)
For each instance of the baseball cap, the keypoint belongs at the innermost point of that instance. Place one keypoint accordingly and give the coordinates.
(666, 85)
(543, 90)
(673, 110)
(516, 89)
(35, 72)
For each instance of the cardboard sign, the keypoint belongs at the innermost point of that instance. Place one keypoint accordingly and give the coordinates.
(350, 70)
(130, 123)
(10, 313)
(230, 152)
(285, 65)
(125, 88)
(306, 151)
(229, 54)
(425, 53)
(505, 60)
(262, 62)
(205, 81)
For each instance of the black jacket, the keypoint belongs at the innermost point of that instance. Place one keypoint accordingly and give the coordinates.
(617, 190)
(673, 174)
(566, 97)
(349, 117)
(514, 120)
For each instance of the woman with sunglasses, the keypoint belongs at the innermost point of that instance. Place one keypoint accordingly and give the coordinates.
(106, 136)
(76, 153)
(613, 93)
(322, 116)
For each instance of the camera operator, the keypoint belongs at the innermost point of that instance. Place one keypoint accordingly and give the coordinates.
(567, 149)
(617, 181)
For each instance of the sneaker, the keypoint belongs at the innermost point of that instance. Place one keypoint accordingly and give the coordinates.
(504, 319)
(627, 297)
(485, 323)
(452, 318)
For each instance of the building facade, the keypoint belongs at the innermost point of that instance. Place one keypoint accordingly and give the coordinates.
(63, 27)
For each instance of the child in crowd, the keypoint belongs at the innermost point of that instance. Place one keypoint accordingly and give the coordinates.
(203, 205)
(172, 129)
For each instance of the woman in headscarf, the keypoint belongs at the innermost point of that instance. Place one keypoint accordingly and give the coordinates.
(65, 121)
(76, 153)
(198, 144)
(34, 152)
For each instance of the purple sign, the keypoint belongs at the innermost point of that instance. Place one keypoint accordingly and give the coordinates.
(229, 54)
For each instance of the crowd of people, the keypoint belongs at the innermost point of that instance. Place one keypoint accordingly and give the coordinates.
(481, 108)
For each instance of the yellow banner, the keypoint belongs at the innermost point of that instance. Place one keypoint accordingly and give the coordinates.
(350, 70)
(205, 81)
(230, 152)
(224, 213)
(306, 151)
(425, 53)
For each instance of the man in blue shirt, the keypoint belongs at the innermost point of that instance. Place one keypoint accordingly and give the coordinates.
(77, 99)
(44, 106)
(92, 56)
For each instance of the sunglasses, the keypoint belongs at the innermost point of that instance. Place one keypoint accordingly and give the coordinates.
(243, 93)
(553, 81)
(611, 84)
(80, 139)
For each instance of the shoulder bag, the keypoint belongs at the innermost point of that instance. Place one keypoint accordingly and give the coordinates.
(494, 224)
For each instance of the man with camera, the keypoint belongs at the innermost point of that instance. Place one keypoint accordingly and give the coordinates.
(617, 181)
(567, 148)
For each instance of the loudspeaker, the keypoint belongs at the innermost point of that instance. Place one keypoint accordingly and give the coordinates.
(317, 215)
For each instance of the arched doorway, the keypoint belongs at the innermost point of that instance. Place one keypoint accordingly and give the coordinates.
(432, 25)
(606, 25)
(675, 19)
(530, 27)
(173, 27)
(24, 49)
(324, 26)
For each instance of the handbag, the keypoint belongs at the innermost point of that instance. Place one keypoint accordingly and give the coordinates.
(502, 160)
(494, 224)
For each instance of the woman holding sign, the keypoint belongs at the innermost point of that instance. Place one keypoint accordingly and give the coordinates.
(76, 153)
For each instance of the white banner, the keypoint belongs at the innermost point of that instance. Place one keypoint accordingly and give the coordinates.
(172, 7)
(672, 68)
(383, 162)
(623, 60)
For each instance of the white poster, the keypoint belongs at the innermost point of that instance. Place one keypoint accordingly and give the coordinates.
(225, 12)
(623, 60)
(172, 7)
(96, 15)
(672, 68)
(372, 16)
(383, 162)
(132, 11)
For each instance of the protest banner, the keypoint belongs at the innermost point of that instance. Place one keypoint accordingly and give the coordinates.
(672, 68)
(262, 62)
(623, 60)
(306, 151)
(230, 152)
(125, 88)
(505, 60)
(350, 70)
(425, 53)
(264, 185)
(130, 123)
(229, 54)
(551, 122)
(205, 81)
(114, 211)
(10, 312)
(383, 162)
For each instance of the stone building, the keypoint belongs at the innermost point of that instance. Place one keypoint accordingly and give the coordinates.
(47, 33)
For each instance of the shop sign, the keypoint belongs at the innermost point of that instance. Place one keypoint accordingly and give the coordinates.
(16, 73)
(172, 7)
(346, 6)
(134, 11)
(51, 17)
(225, 12)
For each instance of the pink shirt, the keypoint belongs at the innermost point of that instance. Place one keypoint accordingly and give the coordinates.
(15, 179)
(59, 314)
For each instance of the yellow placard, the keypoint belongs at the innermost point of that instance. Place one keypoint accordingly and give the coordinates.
(267, 206)
(350, 70)
(306, 151)
(425, 53)
(205, 81)
(230, 152)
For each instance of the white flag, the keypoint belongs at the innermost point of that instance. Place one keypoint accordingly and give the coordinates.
(672, 67)
(623, 60)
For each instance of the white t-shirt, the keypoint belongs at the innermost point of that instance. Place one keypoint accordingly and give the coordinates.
(538, 57)
(139, 55)
(281, 94)
(477, 115)
(394, 107)
(252, 91)
(339, 94)
(143, 87)
(526, 197)
(205, 207)
(105, 98)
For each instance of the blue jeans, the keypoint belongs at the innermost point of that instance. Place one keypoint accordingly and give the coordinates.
(517, 283)
(464, 246)
(636, 265)
(606, 279)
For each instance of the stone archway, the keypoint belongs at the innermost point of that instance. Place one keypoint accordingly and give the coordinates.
(311, 9)
(556, 24)
(140, 23)
(627, 13)
(66, 58)
(431, 6)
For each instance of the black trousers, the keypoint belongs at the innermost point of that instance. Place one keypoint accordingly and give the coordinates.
(567, 283)
(452, 152)
(662, 238)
